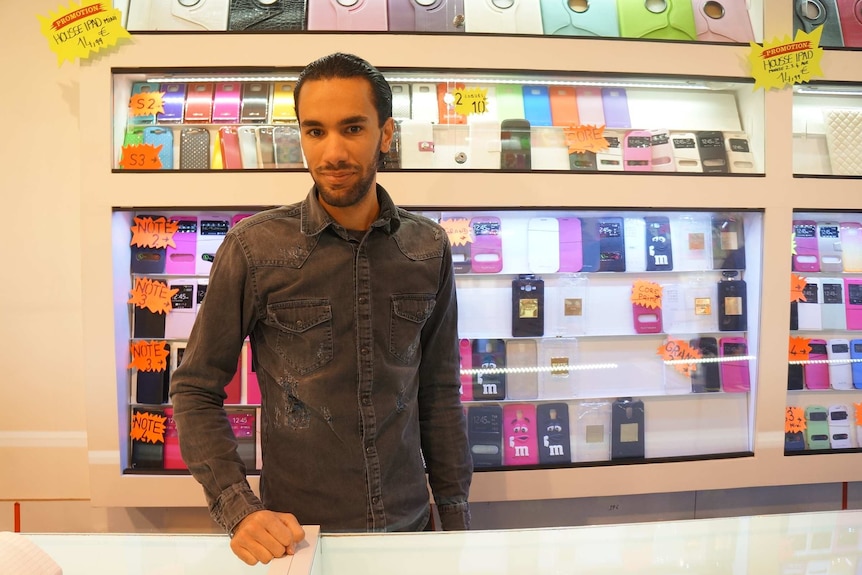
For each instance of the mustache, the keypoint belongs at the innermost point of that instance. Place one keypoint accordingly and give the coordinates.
(340, 166)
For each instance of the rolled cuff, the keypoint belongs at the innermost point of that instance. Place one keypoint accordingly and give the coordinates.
(233, 505)
(454, 516)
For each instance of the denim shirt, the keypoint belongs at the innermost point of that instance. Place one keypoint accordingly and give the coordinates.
(354, 341)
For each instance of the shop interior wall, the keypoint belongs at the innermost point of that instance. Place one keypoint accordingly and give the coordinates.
(43, 442)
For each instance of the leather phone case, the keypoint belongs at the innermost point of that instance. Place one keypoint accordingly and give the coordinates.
(259, 16)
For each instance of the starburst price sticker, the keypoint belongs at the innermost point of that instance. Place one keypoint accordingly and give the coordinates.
(148, 427)
(588, 138)
(797, 288)
(794, 420)
(153, 233)
(149, 355)
(146, 104)
(152, 295)
(782, 63)
(798, 348)
(459, 231)
(647, 294)
(82, 29)
(793, 243)
(141, 157)
(678, 354)
(469, 101)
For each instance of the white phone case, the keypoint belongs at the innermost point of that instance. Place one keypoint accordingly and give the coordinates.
(174, 15)
(181, 318)
(566, 301)
(543, 245)
(556, 356)
(808, 312)
(634, 230)
(686, 157)
(423, 103)
(248, 147)
(740, 159)
(840, 370)
(484, 142)
(691, 238)
(590, 425)
(514, 17)
(611, 159)
(832, 310)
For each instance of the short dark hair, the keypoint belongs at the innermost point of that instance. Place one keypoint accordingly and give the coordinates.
(341, 65)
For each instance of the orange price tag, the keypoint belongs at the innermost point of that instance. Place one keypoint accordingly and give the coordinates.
(798, 348)
(647, 294)
(141, 157)
(797, 288)
(794, 420)
(587, 138)
(146, 104)
(679, 352)
(152, 295)
(858, 408)
(459, 231)
(148, 427)
(149, 355)
(153, 233)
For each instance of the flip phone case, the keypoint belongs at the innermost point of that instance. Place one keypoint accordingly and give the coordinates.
(659, 255)
(242, 422)
(735, 377)
(266, 15)
(465, 351)
(810, 14)
(151, 387)
(817, 371)
(143, 88)
(829, 247)
(287, 146)
(853, 302)
(146, 260)
(615, 106)
(503, 17)
(839, 427)
(173, 102)
(637, 155)
(489, 354)
(808, 313)
(180, 258)
(199, 102)
(634, 229)
(627, 429)
(667, 20)
(583, 162)
(523, 381)
(552, 422)
(832, 312)
(229, 145)
(226, 102)
(212, 229)
(840, 371)
(740, 159)
(426, 15)
(713, 155)
(706, 378)
(591, 257)
(722, 21)
(520, 439)
(164, 137)
(537, 105)
(194, 148)
(283, 109)
(147, 455)
(486, 251)
(661, 151)
(564, 18)
(369, 15)
(254, 105)
(571, 248)
(543, 245)
(732, 305)
(485, 435)
(816, 427)
(564, 105)
(851, 244)
(685, 155)
(807, 256)
(611, 159)
(180, 319)
(528, 306)
(850, 18)
(612, 246)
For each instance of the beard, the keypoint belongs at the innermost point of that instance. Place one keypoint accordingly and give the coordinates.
(348, 195)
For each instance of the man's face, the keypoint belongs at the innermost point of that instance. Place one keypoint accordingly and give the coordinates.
(341, 138)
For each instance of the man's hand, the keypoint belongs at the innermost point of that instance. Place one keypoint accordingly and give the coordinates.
(265, 535)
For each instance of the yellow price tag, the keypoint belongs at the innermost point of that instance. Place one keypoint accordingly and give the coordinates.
(471, 101)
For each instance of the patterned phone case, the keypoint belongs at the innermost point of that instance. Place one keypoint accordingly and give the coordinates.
(256, 15)
(194, 149)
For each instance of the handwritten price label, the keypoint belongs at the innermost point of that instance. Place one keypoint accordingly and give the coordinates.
(146, 104)
(782, 63)
(798, 348)
(149, 355)
(148, 427)
(797, 288)
(647, 294)
(459, 231)
(81, 29)
(152, 295)
(587, 138)
(154, 233)
(141, 157)
(794, 420)
(680, 354)
(469, 101)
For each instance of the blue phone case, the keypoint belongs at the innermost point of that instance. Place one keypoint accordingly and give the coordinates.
(856, 353)
(156, 136)
(537, 105)
(599, 19)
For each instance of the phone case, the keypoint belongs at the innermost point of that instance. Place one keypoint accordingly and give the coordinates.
(254, 105)
(732, 305)
(486, 251)
(661, 151)
(569, 305)
(248, 146)
(537, 105)
(367, 15)
(266, 15)
(465, 351)
(811, 14)
(724, 21)
(172, 457)
(817, 371)
(713, 155)
(851, 244)
(446, 108)
(611, 159)
(706, 378)
(242, 422)
(560, 18)
(564, 105)
(515, 153)
(840, 372)
(523, 381)
(659, 256)
(667, 20)
(186, 15)
(833, 315)
(424, 104)
(401, 101)
(485, 435)
(226, 102)
(489, 354)
(740, 159)
(646, 319)
(194, 148)
(286, 146)
(557, 357)
(143, 88)
(637, 155)
(850, 19)
(173, 102)
(229, 145)
(853, 302)
(164, 137)
(634, 229)
(266, 147)
(591, 430)
(283, 109)
(808, 312)
(691, 236)
(417, 143)
(627, 429)
(528, 306)
(839, 427)
(180, 258)
(507, 17)
(728, 242)
(735, 377)
(543, 245)
(583, 162)
(520, 438)
(616, 108)
(426, 15)
(856, 366)
(591, 110)
(199, 102)
(150, 387)
(510, 101)
(686, 157)
(795, 377)
(180, 319)
(212, 229)
(612, 250)
(590, 244)
(571, 248)
(552, 424)
(816, 427)
(147, 455)
(145, 260)
(829, 247)
(807, 257)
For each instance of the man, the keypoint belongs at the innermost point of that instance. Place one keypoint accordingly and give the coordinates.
(349, 303)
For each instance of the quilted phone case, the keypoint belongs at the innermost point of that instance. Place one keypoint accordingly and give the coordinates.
(844, 140)
(272, 16)
(670, 20)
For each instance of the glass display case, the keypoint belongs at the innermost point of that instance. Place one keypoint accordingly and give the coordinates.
(827, 129)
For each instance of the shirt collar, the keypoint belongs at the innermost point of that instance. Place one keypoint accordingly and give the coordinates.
(315, 219)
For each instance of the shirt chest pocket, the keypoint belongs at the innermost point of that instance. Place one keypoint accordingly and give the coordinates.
(302, 333)
(409, 313)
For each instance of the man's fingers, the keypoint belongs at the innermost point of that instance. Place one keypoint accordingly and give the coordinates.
(297, 533)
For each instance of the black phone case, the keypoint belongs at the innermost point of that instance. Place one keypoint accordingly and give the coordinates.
(147, 324)
(659, 256)
(627, 442)
(732, 317)
(152, 387)
(713, 154)
(612, 244)
(146, 455)
(707, 376)
(257, 16)
(552, 420)
(528, 306)
(255, 102)
(583, 162)
(590, 245)
(795, 377)
(724, 256)
(516, 149)
(194, 149)
(489, 353)
(485, 435)
(827, 16)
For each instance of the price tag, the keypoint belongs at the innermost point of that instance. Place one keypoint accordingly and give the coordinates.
(797, 288)
(792, 243)
(152, 295)
(148, 427)
(587, 138)
(679, 353)
(82, 29)
(798, 348)
(154, 233)
(146, 104)
(783, 63)
(470, 101)
(794, 420)
(459, 231)
(141, 157)
(149, 355)
(647, 294)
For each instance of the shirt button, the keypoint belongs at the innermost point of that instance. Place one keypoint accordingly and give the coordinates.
(364, 351)
(369, 449)
(362, 299)
(366, 401)
(375, 500)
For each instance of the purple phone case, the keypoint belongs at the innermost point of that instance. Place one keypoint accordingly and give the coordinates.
(616, 108)
(440, 16)
(173, 102)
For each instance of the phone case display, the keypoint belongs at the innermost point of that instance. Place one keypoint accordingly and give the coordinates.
(827, 129)
(825, 348)
(566, 358)
(511, 122)
(687, 20)
(840, 21)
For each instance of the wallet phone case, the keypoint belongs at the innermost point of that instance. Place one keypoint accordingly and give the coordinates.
(560, 18)
(366, 15)
(722, 21)
(810, 14)
(426, 15)
(668, 20)
(850, 17)
(266, 15)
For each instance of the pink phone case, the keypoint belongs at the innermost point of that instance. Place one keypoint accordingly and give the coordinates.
(520, 440)
(725, 21)
(181, 259)
(851, 244)
(229, 142)
(486, 251)
(817, 374)
(591, 111)
(807, 256)
(238, 218)
(734, 373)
(853, 302)
(571, 245)
(173, 459)
(850, 15)
(637, 155)
(335, 15)
(465, 349)
(226, 102)
(252, 385)
(646, 320)
(661, 151)
(234, 387)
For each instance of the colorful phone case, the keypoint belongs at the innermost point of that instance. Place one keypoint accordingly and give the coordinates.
(806, 258)
(816, 427)
(637, 154)
(646, 319)
(229, 146)
(615, 106)
(735, 377)
(554, 432)
(591, 110)
(366, 15)
(254, 105)
(659, 255)
(853, 302)
(465, 351)
(446, 108)
(850, 18)
(561, 18)
(426, 15)
(283, 109)
(173, 458)
(486, 251)
(520, 443)
(510, 101)
(661, 152)
(194, 148)
(199, 102)
(173, 102)
(564, 105)
(537, 105)
(164, 137)
(856, 366)
(143, 88)
(226, 102)
(180, 258)
(489, 354)
(667, 20)
(817, 371)
(851, 245)
(724, 21)
(571, 244)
